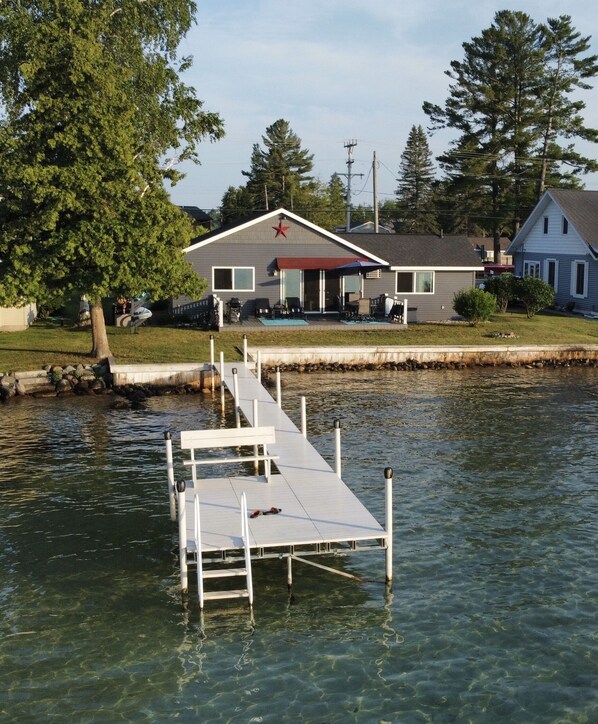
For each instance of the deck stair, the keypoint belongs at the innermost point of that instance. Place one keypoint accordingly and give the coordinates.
(217, 573)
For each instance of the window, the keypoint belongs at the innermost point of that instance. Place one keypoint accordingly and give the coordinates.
(579, 279)
(416, 282)
(531, 269)
(291, 283)
(546, 224)
(551, 273)
(232, 279)
(565, 226)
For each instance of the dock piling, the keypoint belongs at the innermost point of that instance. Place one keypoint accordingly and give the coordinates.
(278, 388)
(222, 403)
(236, 396)
(180, 486)
(337, 438)
(212, 368)
(170, 474)
(303, 417)
(388, 473)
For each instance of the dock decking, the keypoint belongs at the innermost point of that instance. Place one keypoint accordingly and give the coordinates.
(318, 513)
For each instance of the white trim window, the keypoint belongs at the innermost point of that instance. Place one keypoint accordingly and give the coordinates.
(414, 282)
(565, 226)
(579, 279)
(551, 273)
(531, 269)
(233, 279)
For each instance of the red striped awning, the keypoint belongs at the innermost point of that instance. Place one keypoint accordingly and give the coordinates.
(314, 262)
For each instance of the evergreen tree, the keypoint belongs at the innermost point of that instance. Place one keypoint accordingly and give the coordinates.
(236, 204)
(415, 203)
(565, 72)
(505, 102)
(91, 102)
(279, 170)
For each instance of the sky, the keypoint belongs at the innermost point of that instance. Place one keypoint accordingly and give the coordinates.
(338, 71)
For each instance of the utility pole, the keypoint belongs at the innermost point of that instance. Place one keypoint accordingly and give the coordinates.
(349, 145)
(375, 190)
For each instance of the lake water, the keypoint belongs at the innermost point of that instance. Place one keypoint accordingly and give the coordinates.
(493, 616)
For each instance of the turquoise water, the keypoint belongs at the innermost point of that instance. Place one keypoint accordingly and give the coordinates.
(493, 612)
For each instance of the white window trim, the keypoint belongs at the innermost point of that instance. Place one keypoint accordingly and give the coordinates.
(527, 263)
(565, 226)
(574, 264)
(412, 272)
(216, 289)
(556, 272)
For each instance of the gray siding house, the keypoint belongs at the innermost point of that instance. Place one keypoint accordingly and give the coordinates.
(277, 254)
(559, 244)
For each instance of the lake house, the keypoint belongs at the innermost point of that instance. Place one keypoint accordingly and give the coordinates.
(277, 255)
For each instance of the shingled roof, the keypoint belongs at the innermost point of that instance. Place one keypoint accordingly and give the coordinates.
(418, 250)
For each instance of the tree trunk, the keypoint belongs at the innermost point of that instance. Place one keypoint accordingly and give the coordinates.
(100, 348)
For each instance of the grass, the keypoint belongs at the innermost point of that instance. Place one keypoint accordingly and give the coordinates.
(47, 343)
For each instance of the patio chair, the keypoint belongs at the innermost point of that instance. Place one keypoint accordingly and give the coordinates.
(263, 308)
(363, 308)
(294, 307)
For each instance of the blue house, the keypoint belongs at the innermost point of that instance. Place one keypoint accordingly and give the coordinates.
(559, 244)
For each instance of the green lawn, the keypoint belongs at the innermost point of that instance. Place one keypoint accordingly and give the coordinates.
(48, 343)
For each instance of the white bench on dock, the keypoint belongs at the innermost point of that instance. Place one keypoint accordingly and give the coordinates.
(193, 440)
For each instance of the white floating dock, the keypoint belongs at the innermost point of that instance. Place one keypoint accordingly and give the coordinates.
(318, 513)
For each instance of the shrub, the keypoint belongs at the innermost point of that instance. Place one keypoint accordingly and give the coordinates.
(502, 287)
(474, 305)
(535, 294)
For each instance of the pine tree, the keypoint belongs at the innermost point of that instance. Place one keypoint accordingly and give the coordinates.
(415, 203)
(505, 102)
(279, 170)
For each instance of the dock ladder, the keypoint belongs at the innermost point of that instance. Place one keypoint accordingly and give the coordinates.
(215, 573)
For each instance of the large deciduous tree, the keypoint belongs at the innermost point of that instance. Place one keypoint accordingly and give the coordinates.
(509, 102)
(91, 103)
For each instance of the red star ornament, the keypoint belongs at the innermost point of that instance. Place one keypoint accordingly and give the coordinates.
(281, 229)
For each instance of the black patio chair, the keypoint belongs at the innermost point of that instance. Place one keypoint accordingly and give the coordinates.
(263, 308)
(295, 308)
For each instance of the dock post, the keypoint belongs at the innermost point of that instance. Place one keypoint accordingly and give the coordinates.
(236, 396)
(278, 387)
(256, 449)
(405, 302)
(180, 486)
(222, 404)
(212, 368)
(259, 365)
(245, 350)
(388, 473)
(303, 418)
(170, 473)
(289, 573)
(337, 437)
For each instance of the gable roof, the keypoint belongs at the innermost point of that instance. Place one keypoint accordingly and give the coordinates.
(198, 216)
(238, 226)
(580, 208)
(392, 250)
(419, 251)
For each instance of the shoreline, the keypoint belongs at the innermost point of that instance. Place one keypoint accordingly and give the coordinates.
(132, 384)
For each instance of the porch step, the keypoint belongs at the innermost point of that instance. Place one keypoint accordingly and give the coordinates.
(224, 572)
(217, 595)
